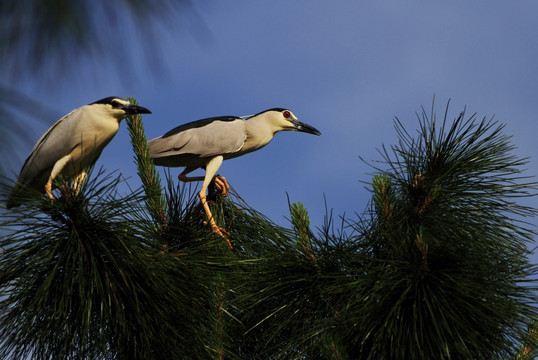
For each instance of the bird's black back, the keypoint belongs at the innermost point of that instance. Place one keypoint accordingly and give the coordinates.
(199, 123)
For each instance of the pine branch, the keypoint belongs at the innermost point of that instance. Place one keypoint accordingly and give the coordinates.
(437, 267)
(87, 279)
(529, 349)
(72, 275)
(451, 270)
(301, 224)
(146, 170)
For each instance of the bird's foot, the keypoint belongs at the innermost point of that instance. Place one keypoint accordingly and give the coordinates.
(48, 190)
(211, 221)
(221, 184)
(219, 231)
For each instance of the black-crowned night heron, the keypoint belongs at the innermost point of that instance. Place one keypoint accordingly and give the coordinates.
(206, 143)
(72, 145)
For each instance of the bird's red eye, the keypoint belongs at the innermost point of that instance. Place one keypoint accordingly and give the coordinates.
(286, 114)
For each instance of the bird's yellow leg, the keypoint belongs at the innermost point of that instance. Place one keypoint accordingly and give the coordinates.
(183, 178)
(48, 189)
(210, 170)
(56, 169)
(219, 181)
(214, 227)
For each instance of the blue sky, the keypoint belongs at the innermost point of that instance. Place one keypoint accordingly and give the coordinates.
(345, 67)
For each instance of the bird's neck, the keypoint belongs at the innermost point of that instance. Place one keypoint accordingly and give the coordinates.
(259, 133)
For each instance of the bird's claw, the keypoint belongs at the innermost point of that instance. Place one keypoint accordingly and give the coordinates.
(48, 190)
(221, 184)
(220, 231)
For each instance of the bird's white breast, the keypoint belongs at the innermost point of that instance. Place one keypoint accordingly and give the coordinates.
(89, 132)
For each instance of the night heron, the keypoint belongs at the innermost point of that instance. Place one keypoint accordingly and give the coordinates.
(206, 143)
(72, 145)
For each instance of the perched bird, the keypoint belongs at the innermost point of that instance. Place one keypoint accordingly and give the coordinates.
(72, 145)
(206, 143)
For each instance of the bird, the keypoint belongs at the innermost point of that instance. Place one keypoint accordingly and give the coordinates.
(206, 143)
(71, 146)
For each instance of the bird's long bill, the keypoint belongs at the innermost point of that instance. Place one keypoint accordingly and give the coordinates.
(135, 109)
(299, 126)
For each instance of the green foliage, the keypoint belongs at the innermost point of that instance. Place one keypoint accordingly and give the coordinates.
(450, 277)
(529, 348)
(146, 170)
(54, 35)
(436, 268)
(83, 280)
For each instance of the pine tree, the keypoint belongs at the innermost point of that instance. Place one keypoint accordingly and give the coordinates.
(436, 268)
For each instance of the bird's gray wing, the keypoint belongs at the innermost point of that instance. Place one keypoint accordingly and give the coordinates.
(52, 146)
(203, 138)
